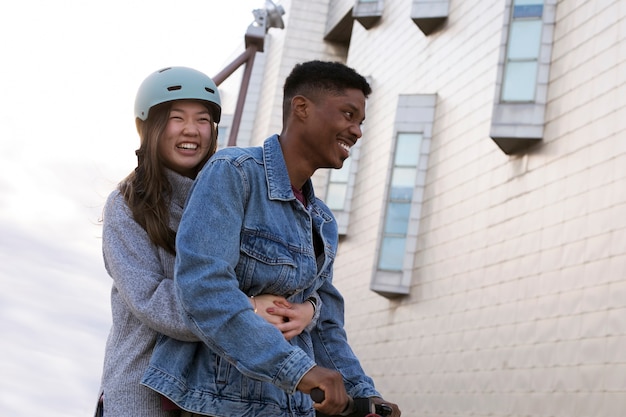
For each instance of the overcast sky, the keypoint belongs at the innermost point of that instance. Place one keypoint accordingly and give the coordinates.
(69, 71)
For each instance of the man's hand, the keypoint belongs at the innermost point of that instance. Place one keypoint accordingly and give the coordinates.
(329, 381)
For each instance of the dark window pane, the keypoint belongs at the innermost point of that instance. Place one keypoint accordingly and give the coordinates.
(525, 11)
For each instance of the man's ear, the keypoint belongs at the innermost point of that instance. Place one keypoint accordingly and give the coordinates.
(300, 107)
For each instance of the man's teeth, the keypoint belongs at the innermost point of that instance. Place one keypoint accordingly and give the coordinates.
(346, 147)
(188, 146)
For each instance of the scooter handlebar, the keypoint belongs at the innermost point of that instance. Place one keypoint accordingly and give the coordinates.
(357, 407)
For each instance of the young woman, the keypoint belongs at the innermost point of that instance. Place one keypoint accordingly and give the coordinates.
(177, 110)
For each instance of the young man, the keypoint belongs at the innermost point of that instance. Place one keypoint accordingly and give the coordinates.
(253, 225)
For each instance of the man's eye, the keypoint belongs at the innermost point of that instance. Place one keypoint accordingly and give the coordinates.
(349, 114)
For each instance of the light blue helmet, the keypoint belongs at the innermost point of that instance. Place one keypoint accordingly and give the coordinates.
(177, 83)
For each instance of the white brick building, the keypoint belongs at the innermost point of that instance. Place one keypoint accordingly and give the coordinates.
(508, 296)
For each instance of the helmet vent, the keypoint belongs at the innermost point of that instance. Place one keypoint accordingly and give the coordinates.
(174, 88)
(210, 90)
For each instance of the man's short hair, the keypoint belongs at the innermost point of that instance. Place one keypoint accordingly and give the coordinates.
(314, 77)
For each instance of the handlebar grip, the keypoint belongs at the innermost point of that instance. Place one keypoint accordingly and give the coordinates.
(356, 407)
(317, 395)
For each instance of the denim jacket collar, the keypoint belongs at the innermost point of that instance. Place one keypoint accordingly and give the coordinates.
(279, 184)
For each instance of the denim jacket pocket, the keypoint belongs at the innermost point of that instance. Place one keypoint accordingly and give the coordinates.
(267, 264)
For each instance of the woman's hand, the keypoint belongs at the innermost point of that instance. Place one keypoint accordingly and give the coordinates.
(290, 318)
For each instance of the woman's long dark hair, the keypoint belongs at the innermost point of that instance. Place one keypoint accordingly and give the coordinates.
(147, 190)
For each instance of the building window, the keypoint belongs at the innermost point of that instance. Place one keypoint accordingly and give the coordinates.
(520, 74)
(223, 130)
(394, 264)
(338, 186)
(368, 12)
(523, 74)
(222, 136)
(429, 15)
(396, 224)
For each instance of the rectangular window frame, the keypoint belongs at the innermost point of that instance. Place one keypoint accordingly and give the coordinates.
(342, 215)
(391, 237)
(518, 125)
(415, 114)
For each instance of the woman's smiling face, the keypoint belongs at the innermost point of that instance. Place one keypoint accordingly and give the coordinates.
(186, 141)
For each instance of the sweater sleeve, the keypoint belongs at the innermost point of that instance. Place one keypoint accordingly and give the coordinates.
(138, 272)
(317, 306)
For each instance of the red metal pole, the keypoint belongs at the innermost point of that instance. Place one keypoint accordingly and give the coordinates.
(232, 67)
(243, 91)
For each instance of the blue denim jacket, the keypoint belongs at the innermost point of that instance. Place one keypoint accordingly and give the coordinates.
(244, 233)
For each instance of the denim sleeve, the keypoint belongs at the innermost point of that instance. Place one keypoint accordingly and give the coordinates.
(331, 346)
(217, 310)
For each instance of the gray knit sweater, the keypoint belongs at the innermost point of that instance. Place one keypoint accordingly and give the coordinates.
(143, 304)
